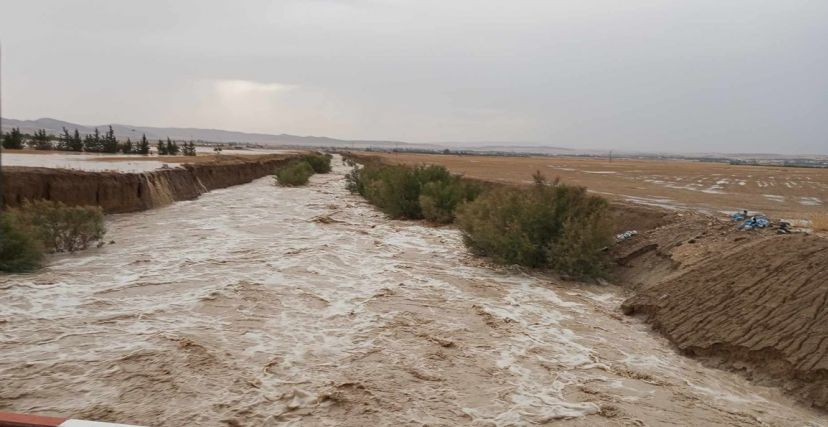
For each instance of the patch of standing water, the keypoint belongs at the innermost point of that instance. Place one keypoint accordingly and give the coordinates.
(82, 162)
(810, 201)
(239, 308)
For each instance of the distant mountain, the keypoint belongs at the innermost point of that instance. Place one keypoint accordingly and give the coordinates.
(55, 127)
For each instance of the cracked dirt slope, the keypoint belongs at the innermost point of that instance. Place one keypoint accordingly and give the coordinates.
(760, 306)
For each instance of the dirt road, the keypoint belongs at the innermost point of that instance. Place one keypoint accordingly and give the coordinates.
(260, 305)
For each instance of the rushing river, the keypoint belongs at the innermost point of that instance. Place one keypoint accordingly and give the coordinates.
(261, 305)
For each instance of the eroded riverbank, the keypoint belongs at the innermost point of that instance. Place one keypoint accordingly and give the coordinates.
(117, 192)
(239, 308)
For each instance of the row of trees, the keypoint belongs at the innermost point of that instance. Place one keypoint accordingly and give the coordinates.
(171, 148)
(92, 143)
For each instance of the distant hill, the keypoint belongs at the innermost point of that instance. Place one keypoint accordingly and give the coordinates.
(55, 127)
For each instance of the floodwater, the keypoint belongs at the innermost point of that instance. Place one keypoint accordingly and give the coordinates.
(84, 162)
(98, 162)
(261, 305)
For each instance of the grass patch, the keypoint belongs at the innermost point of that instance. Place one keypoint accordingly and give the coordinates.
(294, 174)
(550, 225)
(819, 221)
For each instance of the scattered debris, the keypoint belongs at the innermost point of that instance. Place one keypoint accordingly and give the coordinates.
(756, 221)
(626, 235)
(750, 222)
(739, 216)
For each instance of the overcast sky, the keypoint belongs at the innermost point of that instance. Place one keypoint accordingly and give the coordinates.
(693, 75)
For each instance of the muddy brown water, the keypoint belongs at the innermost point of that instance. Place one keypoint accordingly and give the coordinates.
(239, 309)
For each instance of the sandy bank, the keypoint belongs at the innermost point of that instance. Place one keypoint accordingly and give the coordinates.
(756, 302)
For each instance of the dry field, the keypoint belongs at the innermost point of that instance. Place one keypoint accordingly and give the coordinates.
(776, 191)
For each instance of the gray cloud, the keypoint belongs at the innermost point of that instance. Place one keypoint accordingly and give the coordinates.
(702, 75)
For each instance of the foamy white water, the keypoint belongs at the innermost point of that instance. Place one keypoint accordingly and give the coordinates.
(239, 308)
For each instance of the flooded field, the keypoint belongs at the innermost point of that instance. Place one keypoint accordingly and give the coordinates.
(117, 162)
(262, 305)
(84, 162)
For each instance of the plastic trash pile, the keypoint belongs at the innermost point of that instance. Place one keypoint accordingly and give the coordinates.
(756, 221)
(625, 235)
(737, 217)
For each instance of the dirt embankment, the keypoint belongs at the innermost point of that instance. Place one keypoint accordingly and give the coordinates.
(756, 302)
(129, 192)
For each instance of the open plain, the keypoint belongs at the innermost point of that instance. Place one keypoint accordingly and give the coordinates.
(781, 192)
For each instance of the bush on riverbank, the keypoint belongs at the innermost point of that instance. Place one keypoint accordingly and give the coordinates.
(27, 232)
(439, 200)
(550, 225)
(62, 228)
(321, 163)
(20, 250)
(404, 192)
(294, 174)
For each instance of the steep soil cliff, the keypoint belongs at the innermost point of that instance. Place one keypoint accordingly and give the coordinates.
(750, 301)
(128, 192)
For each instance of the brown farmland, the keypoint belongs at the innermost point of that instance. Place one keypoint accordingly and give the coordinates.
(795, 193)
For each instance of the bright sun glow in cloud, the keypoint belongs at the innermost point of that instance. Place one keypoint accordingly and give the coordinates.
(248, 87)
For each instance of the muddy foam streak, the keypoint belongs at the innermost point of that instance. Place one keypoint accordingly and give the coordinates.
(242, 308)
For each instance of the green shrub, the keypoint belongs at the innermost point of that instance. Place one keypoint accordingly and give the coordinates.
(439, 199)
(20, 250)
(429, 192)
(396, 192)
(294, 174)
(61, 228)
(550, 225)
(321, 163)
